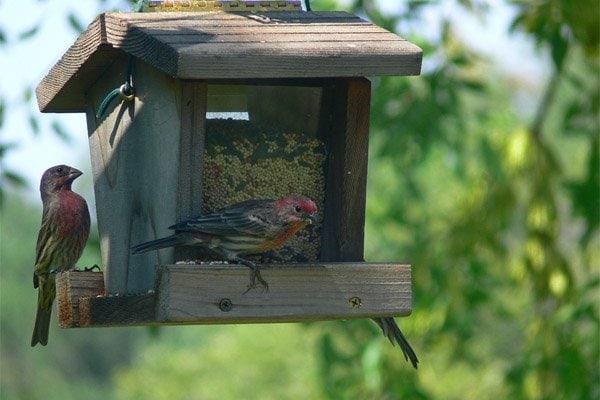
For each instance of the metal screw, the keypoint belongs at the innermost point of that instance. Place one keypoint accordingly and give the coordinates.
(225, 305)
(356, 302)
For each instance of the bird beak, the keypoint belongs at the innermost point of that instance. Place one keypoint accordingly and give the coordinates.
(311, 218)
(74, 173)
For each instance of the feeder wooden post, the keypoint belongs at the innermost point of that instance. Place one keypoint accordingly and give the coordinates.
(136, 150)
(343, 226)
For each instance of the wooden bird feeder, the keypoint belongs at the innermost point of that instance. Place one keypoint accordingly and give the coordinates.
(254, 100)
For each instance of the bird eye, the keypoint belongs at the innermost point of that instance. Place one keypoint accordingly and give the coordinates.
(298, 209)
(59, 170)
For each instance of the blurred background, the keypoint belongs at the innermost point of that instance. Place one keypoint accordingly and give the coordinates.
(483, 173)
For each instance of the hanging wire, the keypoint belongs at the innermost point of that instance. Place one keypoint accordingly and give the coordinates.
(125, 91)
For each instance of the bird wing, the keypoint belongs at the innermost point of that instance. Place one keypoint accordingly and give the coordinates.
(44, 237)
(243, 218)
(43, 241)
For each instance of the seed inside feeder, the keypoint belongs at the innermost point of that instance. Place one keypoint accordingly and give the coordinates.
(247, 160)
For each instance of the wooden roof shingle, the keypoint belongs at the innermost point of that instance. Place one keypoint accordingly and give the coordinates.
(226, 45)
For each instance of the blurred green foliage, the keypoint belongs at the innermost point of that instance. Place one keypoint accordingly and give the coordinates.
(497, 210)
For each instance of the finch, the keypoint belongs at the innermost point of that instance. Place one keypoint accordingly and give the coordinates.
(62, 237)
(394, 334)
(249, 227)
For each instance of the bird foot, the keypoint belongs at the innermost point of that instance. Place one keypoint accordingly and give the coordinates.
(90, 269)
(254, 275)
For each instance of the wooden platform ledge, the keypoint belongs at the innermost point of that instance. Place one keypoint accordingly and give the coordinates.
(214, 294)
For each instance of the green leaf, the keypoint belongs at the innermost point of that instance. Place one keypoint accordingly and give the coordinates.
(34, 124)
(2, 111)
(585, 194)
(5, 147)
(28, 94)
(61, 132)
(559, 47)
(14, 178)
(75, 23)
(28, 34)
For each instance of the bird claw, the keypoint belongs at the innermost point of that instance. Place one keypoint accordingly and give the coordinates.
(254, 275)
(90, 269)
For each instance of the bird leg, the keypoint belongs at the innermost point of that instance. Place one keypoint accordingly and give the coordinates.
(254, 275)
(231, 256)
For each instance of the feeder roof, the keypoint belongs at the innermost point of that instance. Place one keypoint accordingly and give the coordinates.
(226, 45)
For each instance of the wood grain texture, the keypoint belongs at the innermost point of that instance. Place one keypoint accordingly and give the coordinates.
(226, 45)
(191, 157)
(128, 310)
(214, 294)
(82, 302)
(220, 5)
(135, 153)
(71, 286)
(344, 214)
(298, 292)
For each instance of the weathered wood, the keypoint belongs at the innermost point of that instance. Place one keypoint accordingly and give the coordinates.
(92, 53)
(134, 149)
(190, 39)
(297, 292)
(117, 310)
(221, 45)
(344, 214)
(191, 156)
(213, 294)
(71, 286)
(216, 31)
(220, 5)
(82, 302)
(280, 17)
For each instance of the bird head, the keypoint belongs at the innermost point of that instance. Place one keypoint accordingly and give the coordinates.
(297, 210)
(59, 177)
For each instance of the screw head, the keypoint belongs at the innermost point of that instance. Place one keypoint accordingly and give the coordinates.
(225, 305)
(355, 301)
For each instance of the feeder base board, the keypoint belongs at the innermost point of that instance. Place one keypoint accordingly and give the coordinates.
(215, 294)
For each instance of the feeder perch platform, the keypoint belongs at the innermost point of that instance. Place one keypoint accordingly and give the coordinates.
(214, 294)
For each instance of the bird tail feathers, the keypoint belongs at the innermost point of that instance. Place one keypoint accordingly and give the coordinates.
(394, 334)
(168, 241)
(42, 326)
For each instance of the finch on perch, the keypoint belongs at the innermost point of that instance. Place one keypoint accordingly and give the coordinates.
(62, 237)
(249, 227)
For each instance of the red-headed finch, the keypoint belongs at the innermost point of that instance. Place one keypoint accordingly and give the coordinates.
(62, 237)
(249, 227)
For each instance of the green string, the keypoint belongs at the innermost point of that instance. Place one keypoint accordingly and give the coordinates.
(125, 91)
(104, 105)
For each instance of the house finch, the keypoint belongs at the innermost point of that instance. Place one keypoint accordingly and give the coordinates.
(394, 334)
(249, 227)
(62, 237)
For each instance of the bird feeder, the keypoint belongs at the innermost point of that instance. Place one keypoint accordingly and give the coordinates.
(248, 100)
